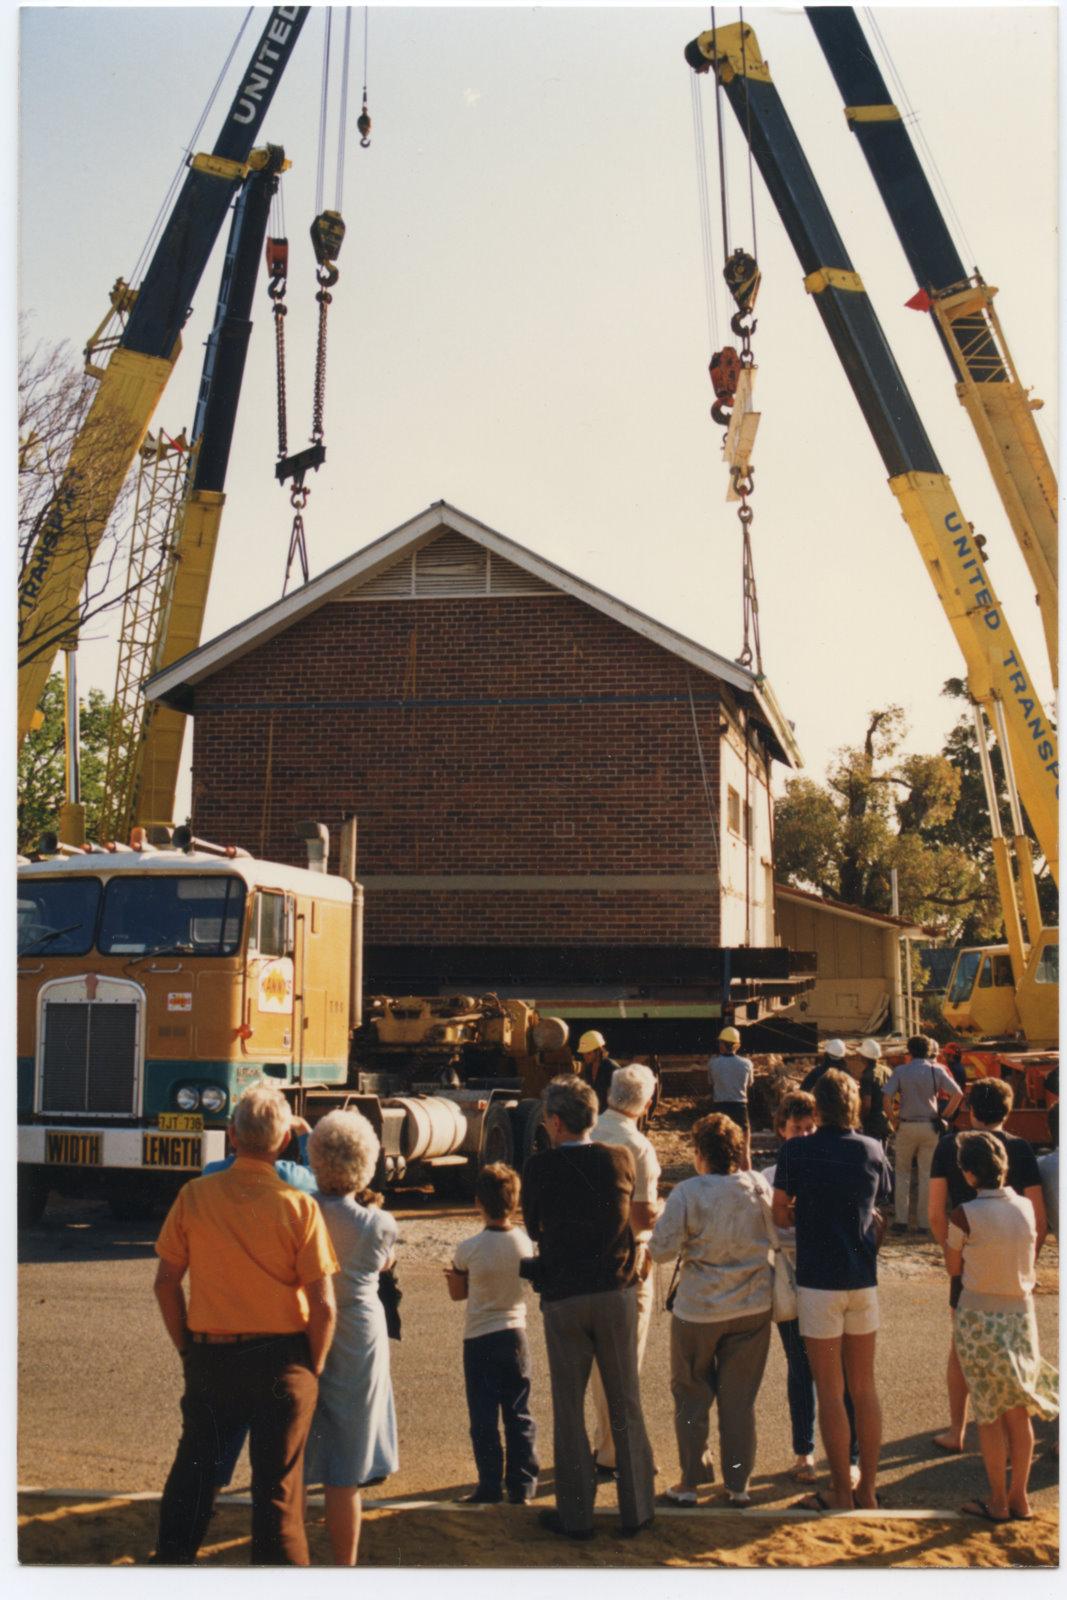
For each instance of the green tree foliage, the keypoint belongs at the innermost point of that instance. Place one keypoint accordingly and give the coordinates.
(881, 809)
(968, 825)
(41, 778)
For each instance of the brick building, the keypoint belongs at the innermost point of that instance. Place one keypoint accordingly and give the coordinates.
(532, 762)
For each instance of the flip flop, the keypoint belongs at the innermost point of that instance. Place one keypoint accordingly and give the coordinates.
(813, 1502)
(949, 1449)
(978, 1508)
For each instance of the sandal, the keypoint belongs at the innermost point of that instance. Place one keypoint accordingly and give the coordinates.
(978, 1508)
(813, 1502)
(803, 1470)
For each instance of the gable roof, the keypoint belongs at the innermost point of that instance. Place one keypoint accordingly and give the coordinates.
(175, 685)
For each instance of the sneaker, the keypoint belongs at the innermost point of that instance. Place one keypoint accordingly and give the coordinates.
(803, 1470)
(854, 1476)
(680, 1495)
(739, 1499)
(481, 1497)
(522, 1497)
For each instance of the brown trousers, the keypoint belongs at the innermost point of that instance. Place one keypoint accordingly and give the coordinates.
(268, 1387)
(723, 1362)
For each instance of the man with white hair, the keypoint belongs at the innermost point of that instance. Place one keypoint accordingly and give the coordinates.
(253, 1338)
(630, 1094)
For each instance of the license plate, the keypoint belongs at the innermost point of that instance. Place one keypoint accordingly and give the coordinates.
(173, 1152)
(181, 1122)
(62, 1149)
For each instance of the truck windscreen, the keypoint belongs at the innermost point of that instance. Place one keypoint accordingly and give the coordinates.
(180, 915)
(57, 917)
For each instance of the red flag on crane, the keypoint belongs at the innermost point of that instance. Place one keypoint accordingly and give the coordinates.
(920, 301)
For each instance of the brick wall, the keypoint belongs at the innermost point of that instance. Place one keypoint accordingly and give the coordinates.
(507, 736)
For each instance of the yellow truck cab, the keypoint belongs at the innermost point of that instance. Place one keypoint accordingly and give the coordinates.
(154, 988)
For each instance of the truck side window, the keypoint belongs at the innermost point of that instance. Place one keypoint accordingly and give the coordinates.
(268, 928)
(1002, 974)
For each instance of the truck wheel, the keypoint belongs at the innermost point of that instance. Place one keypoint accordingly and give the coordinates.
(529, 1131)
(498, 1140)
(32, 1196)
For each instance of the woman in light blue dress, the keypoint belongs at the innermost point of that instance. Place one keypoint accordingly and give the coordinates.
(353, 1433)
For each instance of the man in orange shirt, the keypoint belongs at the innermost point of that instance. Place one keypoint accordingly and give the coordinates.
(253, 1339)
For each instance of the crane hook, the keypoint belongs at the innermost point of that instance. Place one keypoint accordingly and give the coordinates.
(363, 123)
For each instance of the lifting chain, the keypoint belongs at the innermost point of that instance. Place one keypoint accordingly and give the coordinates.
(327, 234)
(742, 277)
(278, 270)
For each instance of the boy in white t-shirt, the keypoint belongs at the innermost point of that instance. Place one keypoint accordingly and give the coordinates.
(496, 1358)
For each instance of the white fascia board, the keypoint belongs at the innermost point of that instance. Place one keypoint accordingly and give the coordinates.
(366, 563)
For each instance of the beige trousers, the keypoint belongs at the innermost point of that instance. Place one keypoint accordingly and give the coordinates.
(915, 1141)
(603, 1441)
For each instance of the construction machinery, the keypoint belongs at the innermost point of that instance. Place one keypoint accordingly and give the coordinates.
(176, 527)
(134, 365)
(998, 680)
(157, 984)
(1006, 991)
(1001, 410)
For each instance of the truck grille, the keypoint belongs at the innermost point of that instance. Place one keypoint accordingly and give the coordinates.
(89, 1058)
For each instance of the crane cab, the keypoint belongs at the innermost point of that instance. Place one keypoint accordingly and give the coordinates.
(982, 998)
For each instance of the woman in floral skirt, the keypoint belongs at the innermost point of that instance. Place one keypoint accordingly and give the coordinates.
(991, 1242)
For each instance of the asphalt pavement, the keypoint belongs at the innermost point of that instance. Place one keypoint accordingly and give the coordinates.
(99, 1382)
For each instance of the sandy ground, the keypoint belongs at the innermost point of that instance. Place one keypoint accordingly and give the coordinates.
(121, 1533)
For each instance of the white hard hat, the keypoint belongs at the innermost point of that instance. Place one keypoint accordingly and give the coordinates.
(591, 1041)
(835, 1048)
(871, 1049)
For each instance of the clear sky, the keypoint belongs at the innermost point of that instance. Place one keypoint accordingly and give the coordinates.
(520, 323)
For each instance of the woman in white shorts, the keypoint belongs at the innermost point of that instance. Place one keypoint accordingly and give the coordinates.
(829, 1186)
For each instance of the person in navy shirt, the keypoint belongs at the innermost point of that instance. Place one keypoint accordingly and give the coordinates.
(829, 1186)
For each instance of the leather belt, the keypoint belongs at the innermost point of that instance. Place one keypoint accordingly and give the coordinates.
(235, 1338)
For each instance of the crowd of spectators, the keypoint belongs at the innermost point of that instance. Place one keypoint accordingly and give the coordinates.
(284, 1335)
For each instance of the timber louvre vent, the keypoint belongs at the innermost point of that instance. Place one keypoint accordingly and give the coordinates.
(451, 566)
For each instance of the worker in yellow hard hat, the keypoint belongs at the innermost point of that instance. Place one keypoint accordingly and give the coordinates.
(729, 1076)
(596, 1065)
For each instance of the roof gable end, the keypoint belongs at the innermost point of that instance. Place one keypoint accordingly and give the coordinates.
(175, 684)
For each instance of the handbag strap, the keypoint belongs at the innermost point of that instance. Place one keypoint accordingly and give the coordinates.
(768, 1222)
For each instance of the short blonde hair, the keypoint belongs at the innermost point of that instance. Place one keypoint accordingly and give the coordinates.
(343, 1152)
(262, 1120)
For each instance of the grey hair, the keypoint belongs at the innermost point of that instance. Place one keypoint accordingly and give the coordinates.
(262, 1119)
(572, 1100)
(631, 1088)
(343, 1151)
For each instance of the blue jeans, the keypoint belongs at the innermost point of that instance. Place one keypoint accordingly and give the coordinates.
(800, 1388)
(496, 1368)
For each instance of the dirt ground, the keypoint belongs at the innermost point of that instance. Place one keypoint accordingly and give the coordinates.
(122, 1532)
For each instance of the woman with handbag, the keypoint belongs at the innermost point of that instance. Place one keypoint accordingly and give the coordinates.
(794, 1118)
(353, 1440)
(715, 1225)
